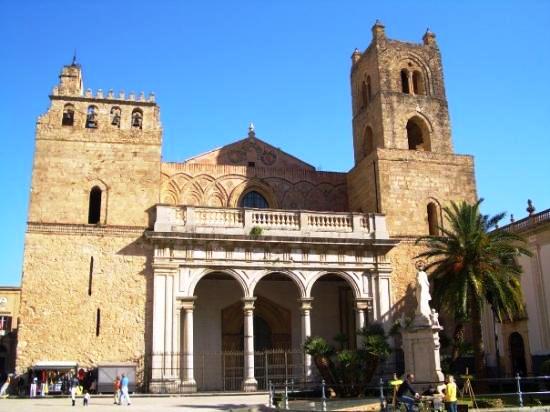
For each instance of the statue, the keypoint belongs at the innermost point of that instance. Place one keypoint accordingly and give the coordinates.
(423, 293)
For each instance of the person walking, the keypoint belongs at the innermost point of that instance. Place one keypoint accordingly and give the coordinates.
(74, 386)
(116, 390)
(34, 383)
(405, 391)
(5, 386)
(450, 394)
(86, 398)
(124, 390)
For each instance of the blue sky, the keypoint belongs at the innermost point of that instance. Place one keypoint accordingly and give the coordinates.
(217, 65)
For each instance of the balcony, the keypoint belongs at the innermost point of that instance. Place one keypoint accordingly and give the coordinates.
(269, 222)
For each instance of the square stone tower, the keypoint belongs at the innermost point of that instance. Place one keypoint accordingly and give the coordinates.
(404, 161)
(96, 178)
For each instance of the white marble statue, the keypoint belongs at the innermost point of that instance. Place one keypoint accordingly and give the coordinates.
(423, 294)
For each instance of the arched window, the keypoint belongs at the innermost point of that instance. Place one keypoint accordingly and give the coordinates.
(517, 353)
(418, 83)
(368, 142)
(94, 208)
(369, 89)
(253, 199)
(405, 81)
(115, 116)
(68, 115)
(433, 221)
(137, 119)
(91, 117)
(417, 135)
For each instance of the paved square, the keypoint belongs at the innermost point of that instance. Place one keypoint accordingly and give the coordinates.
(181, 403)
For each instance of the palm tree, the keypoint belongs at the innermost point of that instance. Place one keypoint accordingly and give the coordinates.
(473, 263)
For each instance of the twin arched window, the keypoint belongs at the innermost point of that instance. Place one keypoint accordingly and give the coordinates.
(366, 91)
(253, 199)
(412, 82)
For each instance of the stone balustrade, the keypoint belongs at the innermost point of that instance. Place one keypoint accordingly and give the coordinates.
(269, 222)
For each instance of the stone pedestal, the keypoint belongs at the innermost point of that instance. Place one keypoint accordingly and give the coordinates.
(421, 350)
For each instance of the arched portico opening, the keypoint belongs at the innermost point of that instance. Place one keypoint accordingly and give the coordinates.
(333, 316)
(215, 292)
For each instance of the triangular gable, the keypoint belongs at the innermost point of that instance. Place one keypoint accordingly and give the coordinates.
(250, 151)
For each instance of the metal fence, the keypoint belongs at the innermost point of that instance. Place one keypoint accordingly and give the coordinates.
(223, 371)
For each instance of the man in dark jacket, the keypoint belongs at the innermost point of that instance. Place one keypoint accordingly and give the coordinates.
(406, 393)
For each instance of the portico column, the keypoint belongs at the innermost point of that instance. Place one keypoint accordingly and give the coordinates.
(361, 308)
(305, 309)
(188, 380)
(250, 384)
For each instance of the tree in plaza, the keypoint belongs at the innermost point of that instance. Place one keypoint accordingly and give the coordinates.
(473, 263)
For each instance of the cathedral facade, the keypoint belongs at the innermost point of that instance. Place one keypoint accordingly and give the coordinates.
(205, 272)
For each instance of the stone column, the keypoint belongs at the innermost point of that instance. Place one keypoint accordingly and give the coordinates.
(249, 384)
(164, 328)
(305, 309)
(361, 309)
(188, 379)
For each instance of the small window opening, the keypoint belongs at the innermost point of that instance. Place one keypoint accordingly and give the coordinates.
(91, 118)
(416, 136)
(405, 81)
(68, 115)
(253, 199)
(369, 89)
(97, 321)
(364, 94)
(251, 164)
(418, 83)
(433, 221)
(94, 208)
(90, 276)
(115, 116)
(137, 119)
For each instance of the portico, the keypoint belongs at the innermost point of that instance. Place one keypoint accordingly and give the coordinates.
(290, 273)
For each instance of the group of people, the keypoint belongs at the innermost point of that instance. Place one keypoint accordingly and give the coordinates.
(120, 387)
(407, 395)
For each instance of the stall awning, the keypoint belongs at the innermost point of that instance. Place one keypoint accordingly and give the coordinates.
(54, 365)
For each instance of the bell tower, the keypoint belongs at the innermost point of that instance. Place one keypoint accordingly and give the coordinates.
(404, 161)
(398, 96)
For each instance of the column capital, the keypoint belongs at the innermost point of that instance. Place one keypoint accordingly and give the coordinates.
(248, 303)
(305, 303)
(363, 304)
(186, 302)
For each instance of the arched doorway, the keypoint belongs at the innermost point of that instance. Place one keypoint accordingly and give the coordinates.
(517, 354)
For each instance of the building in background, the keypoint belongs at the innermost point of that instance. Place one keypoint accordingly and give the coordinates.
(210, 273)
(521, 346)
(9, 316)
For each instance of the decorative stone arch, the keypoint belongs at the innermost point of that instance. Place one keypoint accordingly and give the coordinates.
(297, 280)
(217, 191)
(366, 143)
(417, 64)
(233, 273)
(418, 131)
(88, 186)
(352, 282)
(253, 185)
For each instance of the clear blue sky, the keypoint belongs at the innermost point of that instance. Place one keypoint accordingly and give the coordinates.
(217, 65)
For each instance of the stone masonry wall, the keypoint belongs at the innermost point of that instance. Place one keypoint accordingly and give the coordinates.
(58, 316)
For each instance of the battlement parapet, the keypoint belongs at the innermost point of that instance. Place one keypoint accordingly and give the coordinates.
(110, 95)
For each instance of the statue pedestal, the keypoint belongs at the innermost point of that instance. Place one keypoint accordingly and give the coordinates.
(421, 350)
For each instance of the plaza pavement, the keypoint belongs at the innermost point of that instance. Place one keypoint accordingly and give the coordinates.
(206, 403)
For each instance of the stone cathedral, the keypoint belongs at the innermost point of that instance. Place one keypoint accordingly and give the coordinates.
(206, 272)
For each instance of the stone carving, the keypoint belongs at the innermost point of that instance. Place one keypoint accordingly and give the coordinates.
(423, 311)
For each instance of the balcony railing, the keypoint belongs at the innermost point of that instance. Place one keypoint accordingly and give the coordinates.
(270, 222)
